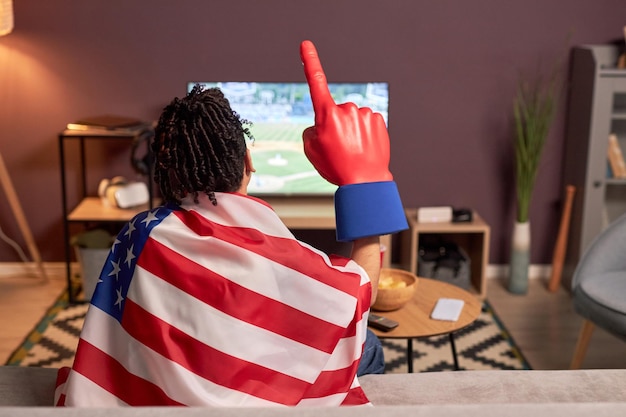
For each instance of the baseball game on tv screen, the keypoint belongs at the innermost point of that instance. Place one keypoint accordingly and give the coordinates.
(279, 113)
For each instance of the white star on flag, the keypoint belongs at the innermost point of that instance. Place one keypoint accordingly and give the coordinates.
(116, 269)
(129, 255)
(131, 228)
(151, 216)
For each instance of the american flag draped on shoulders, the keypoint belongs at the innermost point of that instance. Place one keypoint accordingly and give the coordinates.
(204, 305)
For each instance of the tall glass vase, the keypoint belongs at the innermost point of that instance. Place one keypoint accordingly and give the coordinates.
(520, 258)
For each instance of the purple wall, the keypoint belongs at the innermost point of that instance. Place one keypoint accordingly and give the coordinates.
(452, 68)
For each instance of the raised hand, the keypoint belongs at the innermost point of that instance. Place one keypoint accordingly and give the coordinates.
(347, 145)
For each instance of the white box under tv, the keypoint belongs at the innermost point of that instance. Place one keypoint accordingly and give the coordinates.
(439, 214)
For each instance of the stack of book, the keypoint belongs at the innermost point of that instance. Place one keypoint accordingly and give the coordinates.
(617, 165)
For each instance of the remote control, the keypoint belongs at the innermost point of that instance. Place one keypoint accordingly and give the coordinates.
(381, 323)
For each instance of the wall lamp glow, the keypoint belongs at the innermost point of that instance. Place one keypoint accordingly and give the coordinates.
(6, 17)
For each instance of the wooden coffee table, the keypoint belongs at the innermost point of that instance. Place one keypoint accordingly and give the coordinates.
(414, 318)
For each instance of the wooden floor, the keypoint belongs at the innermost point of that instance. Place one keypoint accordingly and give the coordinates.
(545, 328)
(24, 299)
(543, 324)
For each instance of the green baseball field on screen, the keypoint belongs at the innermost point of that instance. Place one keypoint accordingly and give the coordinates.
(280, 163)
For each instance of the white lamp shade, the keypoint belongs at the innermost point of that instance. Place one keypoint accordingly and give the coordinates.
(6, 16)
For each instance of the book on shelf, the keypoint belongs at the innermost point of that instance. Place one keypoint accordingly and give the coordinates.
(109, 123)
(616, 157)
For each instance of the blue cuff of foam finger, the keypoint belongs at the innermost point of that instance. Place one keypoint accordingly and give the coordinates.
(368, 209)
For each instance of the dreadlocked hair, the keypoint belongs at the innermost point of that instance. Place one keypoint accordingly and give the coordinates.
(199, 146)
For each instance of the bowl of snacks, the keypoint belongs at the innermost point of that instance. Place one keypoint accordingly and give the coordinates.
(395, 288)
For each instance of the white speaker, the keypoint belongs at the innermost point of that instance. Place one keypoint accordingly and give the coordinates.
(119, 192)
(434, 214)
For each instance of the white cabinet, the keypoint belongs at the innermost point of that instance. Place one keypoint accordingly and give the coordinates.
(596, 109)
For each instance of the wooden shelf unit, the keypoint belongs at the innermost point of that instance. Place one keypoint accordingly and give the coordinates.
(472, 236)
(91, 208)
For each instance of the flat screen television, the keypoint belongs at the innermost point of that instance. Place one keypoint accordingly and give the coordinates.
(279, 113)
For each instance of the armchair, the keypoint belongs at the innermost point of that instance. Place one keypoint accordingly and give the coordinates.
(599, 287)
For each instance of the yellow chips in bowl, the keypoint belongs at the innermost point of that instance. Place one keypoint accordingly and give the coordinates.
(395, 288)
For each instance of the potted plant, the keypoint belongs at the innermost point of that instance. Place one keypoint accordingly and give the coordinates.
(533, 110)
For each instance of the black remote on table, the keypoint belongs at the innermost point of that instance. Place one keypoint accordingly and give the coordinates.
(381, 323)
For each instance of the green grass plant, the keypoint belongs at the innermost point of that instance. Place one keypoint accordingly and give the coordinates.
(534, 109)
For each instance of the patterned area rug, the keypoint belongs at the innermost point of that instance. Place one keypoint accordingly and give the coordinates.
(483, 345)
(53, 341)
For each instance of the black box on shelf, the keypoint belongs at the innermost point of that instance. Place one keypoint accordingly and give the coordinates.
(444, 261)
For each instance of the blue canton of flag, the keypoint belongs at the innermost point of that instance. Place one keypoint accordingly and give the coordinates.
(119, 268)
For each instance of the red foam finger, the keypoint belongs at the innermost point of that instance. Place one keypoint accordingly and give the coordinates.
(315, 77)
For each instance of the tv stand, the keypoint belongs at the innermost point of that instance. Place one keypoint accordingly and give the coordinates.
(314, 213)
(472, 236)
(304, 212)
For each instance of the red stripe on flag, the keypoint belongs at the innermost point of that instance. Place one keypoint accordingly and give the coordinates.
(62, 374)
(356, 396)
(238, 301)
(337, 260)
(336, 381)
(111, 375)
(211, 364)
(287, 252)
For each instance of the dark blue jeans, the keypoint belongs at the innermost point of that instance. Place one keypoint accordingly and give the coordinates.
(373, 359)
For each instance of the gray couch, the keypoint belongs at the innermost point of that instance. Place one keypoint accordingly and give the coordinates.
(29, 392)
